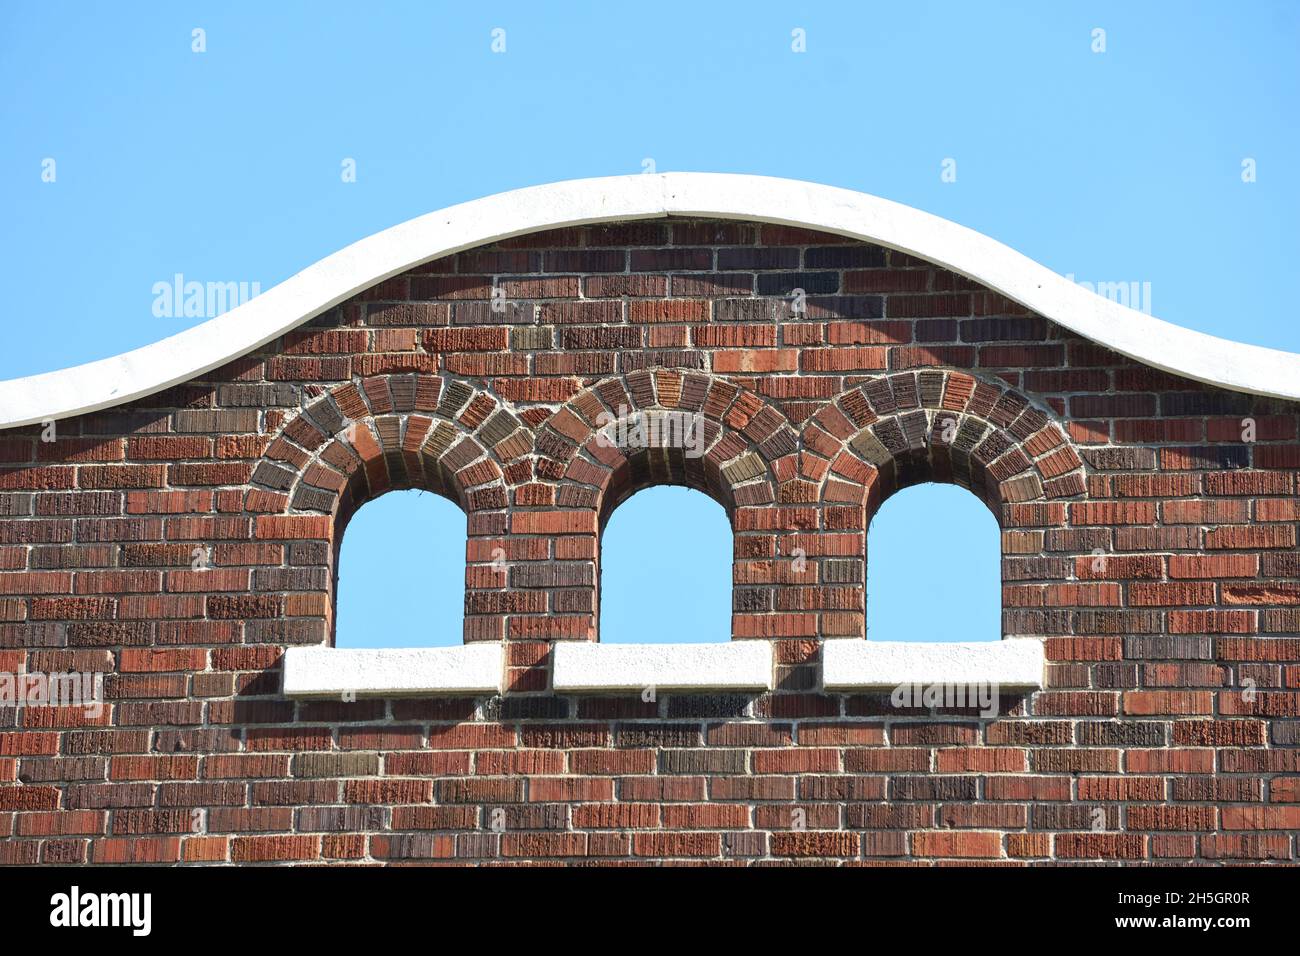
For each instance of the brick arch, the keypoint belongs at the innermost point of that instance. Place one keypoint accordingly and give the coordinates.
(389, 432)
(898, 430)
(747, 443)
(383, 433)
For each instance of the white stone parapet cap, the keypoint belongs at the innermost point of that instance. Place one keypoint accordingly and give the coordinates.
(857, 216)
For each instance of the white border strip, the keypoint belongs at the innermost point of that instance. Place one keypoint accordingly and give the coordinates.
(849, 663)
(189, 354)
(477, 668)
(736, 665)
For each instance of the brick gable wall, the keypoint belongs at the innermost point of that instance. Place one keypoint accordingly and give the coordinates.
(1148, 544)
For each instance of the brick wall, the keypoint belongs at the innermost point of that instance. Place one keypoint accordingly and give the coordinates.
(1148, 537)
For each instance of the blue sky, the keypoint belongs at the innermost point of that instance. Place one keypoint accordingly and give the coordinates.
(1122, 165)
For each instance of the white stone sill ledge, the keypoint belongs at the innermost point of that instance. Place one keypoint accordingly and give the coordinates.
(338, 672)
(581, 667)
(849, 664)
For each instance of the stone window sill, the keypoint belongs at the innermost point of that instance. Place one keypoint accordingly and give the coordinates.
(580, 667)
(735, 665)
(1015, 663)
(336, 672)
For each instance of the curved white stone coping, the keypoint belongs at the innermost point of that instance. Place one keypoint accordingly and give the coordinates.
(849, 663)
(477, 668)
(734, 665)
(181, 357)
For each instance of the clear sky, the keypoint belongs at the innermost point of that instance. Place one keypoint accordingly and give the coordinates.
(226, 165)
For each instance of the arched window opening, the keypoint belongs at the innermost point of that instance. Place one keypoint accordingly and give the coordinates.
(934, 567)
(401, 577)
(665, 569)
